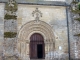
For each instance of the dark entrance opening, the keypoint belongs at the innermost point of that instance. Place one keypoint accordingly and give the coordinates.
(37, 46)
(40, 51)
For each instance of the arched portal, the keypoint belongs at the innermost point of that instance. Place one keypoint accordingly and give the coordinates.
(37, 48)
(27, 34)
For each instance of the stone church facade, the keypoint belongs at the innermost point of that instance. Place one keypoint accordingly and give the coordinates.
(30, 31)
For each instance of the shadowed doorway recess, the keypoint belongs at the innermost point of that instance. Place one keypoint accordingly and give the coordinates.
(37, 46)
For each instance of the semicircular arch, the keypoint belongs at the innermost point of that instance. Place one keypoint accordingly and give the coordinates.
(32, 27)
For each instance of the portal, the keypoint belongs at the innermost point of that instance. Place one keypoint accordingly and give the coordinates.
(37, 50)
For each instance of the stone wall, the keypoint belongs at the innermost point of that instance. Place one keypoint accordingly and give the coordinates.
(74, 31)
(55, 16)
(1, 29)
(10, 30)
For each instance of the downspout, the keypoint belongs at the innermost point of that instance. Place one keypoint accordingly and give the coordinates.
(68, 30)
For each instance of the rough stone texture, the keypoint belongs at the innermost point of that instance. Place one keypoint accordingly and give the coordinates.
(1, 29)
(10, 25)
(54, 16)
(9, 46)
(74, 37)
(57, 21)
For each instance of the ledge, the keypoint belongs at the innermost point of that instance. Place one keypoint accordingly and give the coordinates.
(10, 34)
(77, 19)
(76, 11)
(74, 2)
(48, 3)
(77, 35)
(8, 17)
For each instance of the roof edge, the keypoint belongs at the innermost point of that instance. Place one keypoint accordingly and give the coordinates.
(46, 3)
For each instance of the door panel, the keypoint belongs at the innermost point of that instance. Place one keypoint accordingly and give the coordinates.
(36, 42)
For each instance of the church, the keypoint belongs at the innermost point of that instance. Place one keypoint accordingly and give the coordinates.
(39, 30)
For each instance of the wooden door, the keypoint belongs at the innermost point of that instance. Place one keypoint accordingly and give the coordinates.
(36, 42)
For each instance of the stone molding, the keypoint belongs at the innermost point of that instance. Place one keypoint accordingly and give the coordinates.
(35, 27)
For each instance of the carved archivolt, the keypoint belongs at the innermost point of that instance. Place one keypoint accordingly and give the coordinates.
(36, 27)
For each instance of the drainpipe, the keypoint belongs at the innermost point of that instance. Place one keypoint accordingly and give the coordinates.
(68, 30)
